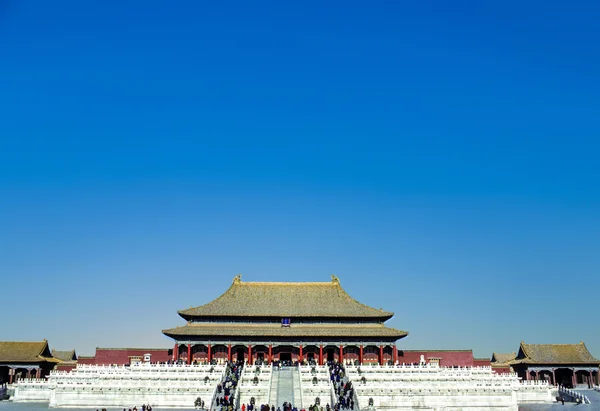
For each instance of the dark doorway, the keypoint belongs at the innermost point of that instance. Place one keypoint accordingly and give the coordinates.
(330, 355)
(564, 377)
(285, 356)
(240, 354)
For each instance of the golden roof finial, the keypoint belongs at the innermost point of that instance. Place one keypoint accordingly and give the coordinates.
(334, 279)
(237, 279)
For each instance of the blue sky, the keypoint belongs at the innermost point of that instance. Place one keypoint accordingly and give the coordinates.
(441, 158)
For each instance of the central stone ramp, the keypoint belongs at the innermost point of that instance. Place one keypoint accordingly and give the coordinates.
(285, 387)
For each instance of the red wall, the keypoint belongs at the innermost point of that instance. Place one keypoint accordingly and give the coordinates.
(481, 362)
(63, 367)
(120, 356)
(86, 360)
(448, 358)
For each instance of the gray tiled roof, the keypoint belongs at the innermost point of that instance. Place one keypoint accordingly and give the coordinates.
(285, 299)
(502, 358)
(64, 355)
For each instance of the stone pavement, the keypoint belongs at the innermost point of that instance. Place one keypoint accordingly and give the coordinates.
(594, 397)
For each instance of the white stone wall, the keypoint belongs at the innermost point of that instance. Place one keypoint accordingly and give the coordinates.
(31, 390)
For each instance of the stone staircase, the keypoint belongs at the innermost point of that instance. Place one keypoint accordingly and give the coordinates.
(315, 384)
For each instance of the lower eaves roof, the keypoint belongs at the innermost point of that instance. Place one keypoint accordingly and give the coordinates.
(224, 330)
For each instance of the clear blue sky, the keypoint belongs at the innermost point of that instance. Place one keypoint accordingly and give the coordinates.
(441, 158)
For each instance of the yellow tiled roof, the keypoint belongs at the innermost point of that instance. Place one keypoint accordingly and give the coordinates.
(25, 351)
(285, 299)
(555, 354)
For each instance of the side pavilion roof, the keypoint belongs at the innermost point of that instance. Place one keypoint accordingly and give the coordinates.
(285, 299)
(555, 354)
(25, 352)
(65, 355)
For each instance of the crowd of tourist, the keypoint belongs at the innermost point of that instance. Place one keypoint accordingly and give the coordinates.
(225, 396)
(287, 406)
(342, 387)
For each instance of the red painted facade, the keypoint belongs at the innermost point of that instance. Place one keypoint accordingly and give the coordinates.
(446, 358)
(65, 367)
(86, 360)
(481, 362)
(122, 356)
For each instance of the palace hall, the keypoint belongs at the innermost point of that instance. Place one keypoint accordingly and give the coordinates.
(285, 321)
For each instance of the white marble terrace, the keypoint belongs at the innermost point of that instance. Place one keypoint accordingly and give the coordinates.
(400, 387)
(161, 385)
(428, 386)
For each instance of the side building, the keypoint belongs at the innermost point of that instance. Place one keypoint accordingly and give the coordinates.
(25, 359)
(285, 321)
(570, 365)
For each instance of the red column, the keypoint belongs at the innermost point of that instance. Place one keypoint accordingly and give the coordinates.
(270, 353)
(394, 354)
(341, 354)
(360, 355)
(38, 373)
(176, 352)
(189, 360)
(301, 357)
(320, 355)
(249, 354)
(209, 353)
(229, 352)
(381, 355)
(11, 372)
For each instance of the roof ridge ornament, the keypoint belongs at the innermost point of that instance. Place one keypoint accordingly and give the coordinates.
(334, 279)
(237, 279)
